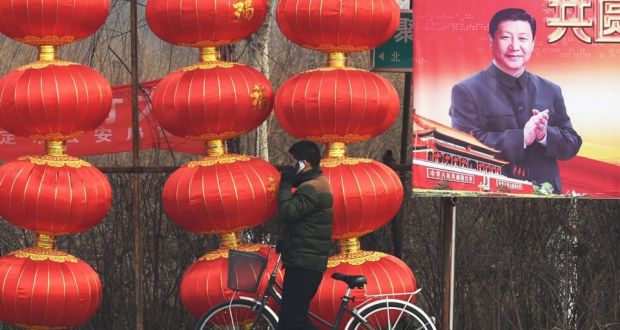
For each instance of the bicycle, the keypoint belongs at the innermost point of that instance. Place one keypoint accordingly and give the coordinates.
(245, 271)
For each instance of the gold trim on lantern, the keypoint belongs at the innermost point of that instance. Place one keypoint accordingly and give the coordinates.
(258, 97)
(56, 148)
(44, 64)
(215, 148)
(56, 161)
(209, 65)
(207, 43)
(46, 242)
(55, 135)
(334, 162)
(214, 136)
(337, 60)
(244, 9)
(346, 68)
(328, 48)
(39, 254)
(229, 240)
(47, 40)
(272, 186)
(347, 138)
(328, 69)
(355, 259)
(224, 159)
(223, 252)
(336, 149)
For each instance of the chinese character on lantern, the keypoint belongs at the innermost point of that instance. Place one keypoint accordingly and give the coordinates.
(244, 9)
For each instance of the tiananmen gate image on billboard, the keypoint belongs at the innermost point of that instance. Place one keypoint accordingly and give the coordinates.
(517, 98)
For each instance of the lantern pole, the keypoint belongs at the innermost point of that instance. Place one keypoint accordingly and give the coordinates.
(448, 217)
(135, 126)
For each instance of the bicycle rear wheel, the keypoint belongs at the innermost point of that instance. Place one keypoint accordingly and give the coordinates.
(237, 315)
(393, 315)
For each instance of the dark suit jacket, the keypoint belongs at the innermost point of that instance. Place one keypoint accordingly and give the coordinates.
(494, 107)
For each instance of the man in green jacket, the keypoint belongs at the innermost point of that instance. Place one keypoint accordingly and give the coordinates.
(307, 217)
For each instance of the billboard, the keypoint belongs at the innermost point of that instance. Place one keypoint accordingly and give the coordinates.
(521, 112)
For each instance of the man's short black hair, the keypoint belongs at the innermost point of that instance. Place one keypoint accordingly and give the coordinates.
(306, 150)
(511, 14)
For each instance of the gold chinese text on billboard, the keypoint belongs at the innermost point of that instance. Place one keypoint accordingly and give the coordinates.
(591, 21)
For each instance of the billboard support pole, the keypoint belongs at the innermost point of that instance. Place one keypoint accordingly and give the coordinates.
(448, 217)
(137, 232)
(406, 122)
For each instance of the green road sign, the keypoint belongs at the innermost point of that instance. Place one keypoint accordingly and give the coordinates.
(397, 53)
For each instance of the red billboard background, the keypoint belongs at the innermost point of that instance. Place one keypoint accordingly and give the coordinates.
(577, 47)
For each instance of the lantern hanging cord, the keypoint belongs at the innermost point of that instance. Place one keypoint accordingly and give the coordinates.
(349, 245)
(56, 148)
(48, 53)
(216, 148)
(229, 240)
(336, 149)
(45, 241)
(337, 60)
(209, 54)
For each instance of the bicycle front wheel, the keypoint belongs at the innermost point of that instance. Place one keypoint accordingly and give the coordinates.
(237, 315)
(392, 315)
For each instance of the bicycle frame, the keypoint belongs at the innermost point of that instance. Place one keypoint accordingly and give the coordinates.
(273, 289)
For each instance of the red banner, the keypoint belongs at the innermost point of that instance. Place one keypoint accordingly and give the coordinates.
(114, 135)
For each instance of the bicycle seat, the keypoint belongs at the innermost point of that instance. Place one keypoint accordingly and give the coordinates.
(353, 281)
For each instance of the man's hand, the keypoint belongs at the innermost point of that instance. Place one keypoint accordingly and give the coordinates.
(536, 127)
(288, 174)
(541, 125)
(529, 132)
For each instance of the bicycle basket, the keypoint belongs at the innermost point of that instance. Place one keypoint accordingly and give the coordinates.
(245, 270)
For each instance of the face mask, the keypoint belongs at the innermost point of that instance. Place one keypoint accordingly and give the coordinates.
(299, 166)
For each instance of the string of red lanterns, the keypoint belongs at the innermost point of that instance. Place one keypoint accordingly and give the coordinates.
(211, 101)
(337, 105)
(51, 100)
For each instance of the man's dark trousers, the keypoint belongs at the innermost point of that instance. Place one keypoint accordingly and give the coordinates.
(300, 285)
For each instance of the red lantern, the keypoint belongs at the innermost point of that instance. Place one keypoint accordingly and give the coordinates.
(220, 194)
(386, 274)
(336, 104)
(44, 288)
(338, 26)
(367, 195)
(52, 22)
(53, 194)
(214, 100)
(204, 284)
(205, 23)
(53, 100)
